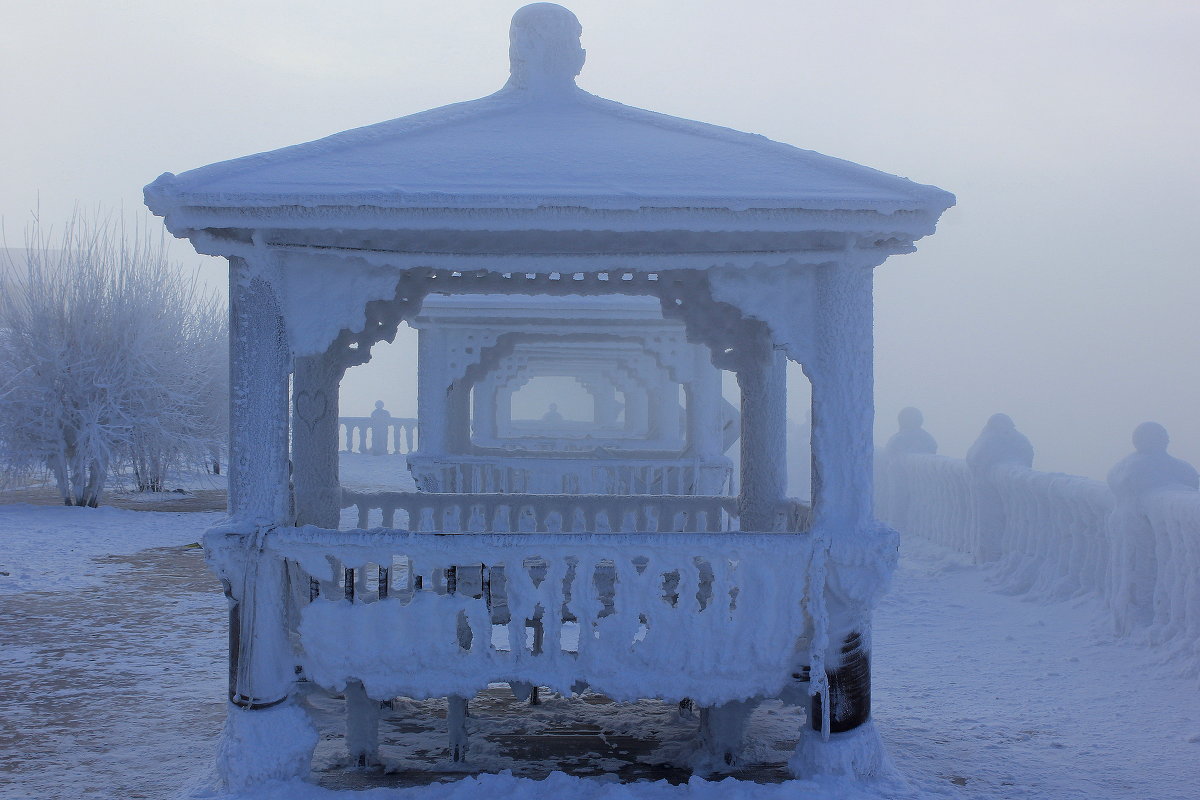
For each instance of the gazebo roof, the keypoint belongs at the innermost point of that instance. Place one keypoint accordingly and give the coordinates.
(542, 142)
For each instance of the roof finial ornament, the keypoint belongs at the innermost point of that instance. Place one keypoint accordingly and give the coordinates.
(544, 50)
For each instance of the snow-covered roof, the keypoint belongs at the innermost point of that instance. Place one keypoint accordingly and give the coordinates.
(543, 142)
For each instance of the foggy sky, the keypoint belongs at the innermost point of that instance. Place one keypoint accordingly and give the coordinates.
(1060, 290)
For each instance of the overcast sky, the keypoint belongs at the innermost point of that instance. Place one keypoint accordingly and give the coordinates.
(1061, 290)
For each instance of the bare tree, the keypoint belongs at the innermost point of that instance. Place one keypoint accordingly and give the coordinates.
(110, 355)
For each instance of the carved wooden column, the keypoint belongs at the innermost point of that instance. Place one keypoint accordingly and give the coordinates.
(762, 380)
(842, 374)
(315, 384)
(261, 662)
(703, 408)
(483, 411)
(843, 406)
(259, 363)
(431, 393)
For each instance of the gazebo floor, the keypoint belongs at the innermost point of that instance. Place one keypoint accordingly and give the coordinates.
(588, 736)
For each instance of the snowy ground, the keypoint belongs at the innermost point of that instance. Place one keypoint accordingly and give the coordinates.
(112, 679)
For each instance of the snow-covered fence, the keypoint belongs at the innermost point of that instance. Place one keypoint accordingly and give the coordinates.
(1059, 536)
(395, 435)
(575, 474)
(529, 513)
(1174, 517)
(704, 616)
(925, 494)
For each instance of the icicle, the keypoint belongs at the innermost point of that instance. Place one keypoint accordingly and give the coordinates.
(818, 678)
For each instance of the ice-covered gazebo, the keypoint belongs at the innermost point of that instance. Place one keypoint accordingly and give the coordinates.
(764, 251)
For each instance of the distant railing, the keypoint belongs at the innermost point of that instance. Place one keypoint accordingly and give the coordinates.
(394, 435)
(610, 475)
(1060, 536)
(542, 513)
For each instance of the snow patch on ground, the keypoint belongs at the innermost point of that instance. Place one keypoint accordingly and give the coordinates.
(559, 786)
(54, 549)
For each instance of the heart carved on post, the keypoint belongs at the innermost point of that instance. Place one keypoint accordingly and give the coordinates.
(311, 407)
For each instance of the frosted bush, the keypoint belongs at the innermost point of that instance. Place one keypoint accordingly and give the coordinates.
(110, 356)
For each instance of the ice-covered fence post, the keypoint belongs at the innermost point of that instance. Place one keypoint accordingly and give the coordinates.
(761, 378)
(1134, 564)
(261, 667)
(911, 439)
(315, 439)
(999, 443)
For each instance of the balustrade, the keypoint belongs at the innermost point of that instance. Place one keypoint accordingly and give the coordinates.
(703, 616)
(576, 474)
(453, 512)
(1059, 538)
(362, 435)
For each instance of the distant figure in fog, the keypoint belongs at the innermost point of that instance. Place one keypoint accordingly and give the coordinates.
(381, 423)
(552, 414)
(999, 443)
(911, 438)
(1134, 550)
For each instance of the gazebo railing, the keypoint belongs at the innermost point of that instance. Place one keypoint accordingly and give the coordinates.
(576, 474)
(703, 616)
(582, 513)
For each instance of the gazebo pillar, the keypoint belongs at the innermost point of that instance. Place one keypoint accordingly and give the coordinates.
(851, 546)
(315, 382)
(261, 661)
(458, 414)
(762, 381)
(604, 399)
(503, 411)
(432, 386)
(483, 412)
(703, 406)
(843, 410)
(637, 411)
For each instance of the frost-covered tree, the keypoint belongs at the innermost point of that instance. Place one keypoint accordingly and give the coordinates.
(110, 356)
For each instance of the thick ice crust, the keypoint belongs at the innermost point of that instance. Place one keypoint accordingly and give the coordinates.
(858, 754)
(270, 744)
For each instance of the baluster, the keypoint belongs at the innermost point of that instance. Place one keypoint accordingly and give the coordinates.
(348, 583)
(389, 516)
(477, 522)
(364, 509)
(527, 521)
(384, 581)
(456, 722)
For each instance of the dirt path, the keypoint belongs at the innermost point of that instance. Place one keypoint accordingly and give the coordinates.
(92, 681)
(194, 500)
